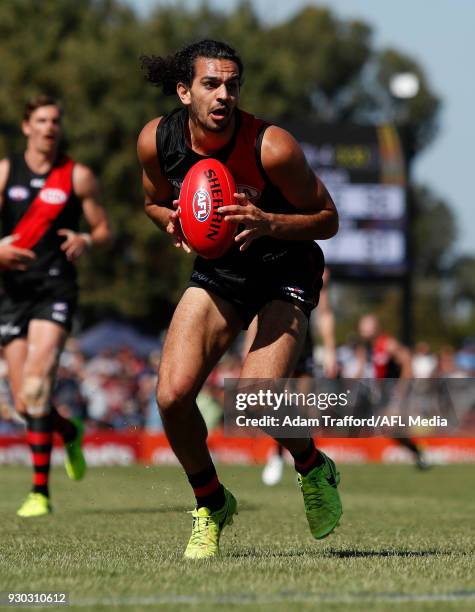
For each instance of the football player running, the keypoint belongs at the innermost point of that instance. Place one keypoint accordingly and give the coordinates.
(273, 271)
(43, 194)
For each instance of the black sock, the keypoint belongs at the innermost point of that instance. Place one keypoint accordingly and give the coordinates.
(409, 444)
(66, 429)
(209, 492)
(309, 459)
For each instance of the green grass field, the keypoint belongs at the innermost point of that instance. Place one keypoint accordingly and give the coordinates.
(406, 541)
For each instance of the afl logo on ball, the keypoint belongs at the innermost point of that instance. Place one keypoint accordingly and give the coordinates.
(53, 196)
(201, 205)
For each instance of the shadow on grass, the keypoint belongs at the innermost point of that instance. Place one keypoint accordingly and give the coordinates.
(340, 554)
(352, 553)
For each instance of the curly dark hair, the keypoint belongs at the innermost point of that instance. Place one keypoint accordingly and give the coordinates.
(166, 72)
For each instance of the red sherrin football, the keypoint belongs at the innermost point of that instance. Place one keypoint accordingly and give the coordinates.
(207, 186)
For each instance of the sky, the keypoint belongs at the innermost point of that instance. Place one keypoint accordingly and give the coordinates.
(440, 35)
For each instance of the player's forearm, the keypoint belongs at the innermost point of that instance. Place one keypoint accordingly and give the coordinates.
(326, 329)
(406, 369)
(100, 235)
(4, 256)
(304, 226)
(159, 214)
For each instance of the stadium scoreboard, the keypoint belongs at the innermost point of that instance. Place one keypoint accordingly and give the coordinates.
(364, 169)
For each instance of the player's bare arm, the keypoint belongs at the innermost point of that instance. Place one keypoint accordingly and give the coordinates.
(4, 170)
(11, 257)
(284, 163)
(87, 190)
(158, 191)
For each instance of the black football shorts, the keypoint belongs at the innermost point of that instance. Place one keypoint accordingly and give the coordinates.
(293, 275)
(15, 315)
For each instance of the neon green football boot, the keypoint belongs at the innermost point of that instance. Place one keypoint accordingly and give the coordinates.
(207, 528)
(321, 498)
(74, 460)
(35, 504)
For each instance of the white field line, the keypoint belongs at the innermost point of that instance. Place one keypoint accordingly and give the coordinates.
(251, 598)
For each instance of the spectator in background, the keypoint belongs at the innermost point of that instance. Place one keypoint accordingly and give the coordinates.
(424, 363)
(465, 358)
(93, 391)
(447, 366)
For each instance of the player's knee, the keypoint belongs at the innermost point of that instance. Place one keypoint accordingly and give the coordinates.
(35, 395)
(173, 398)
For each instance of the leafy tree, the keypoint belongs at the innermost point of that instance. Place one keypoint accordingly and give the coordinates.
(433, 232)
(86, 52)
(462, 297)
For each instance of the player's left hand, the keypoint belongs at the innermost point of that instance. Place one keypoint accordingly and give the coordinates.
(255, 220)
(74, 244)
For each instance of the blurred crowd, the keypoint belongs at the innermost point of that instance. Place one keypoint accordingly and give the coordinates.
(116, 390)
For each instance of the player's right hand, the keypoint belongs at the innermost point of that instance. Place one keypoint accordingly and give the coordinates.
(14, 258)
(174, 228)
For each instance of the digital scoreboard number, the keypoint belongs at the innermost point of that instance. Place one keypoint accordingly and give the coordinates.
(365, 171)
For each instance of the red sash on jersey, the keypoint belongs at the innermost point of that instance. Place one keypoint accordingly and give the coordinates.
(381, 356)
(242, 161)
(47, 205)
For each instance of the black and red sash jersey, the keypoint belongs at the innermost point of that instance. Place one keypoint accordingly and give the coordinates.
(383, 362)
(50, 269)
(379, 361)
(242, 156)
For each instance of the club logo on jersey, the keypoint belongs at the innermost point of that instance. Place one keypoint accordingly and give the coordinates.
(201, 205)
(9, 330)
(53, 196)
(60, 306)
(176, 183)
(18, 193)
(37, 183)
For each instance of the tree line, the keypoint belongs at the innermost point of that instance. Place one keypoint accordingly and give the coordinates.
(313, 65)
